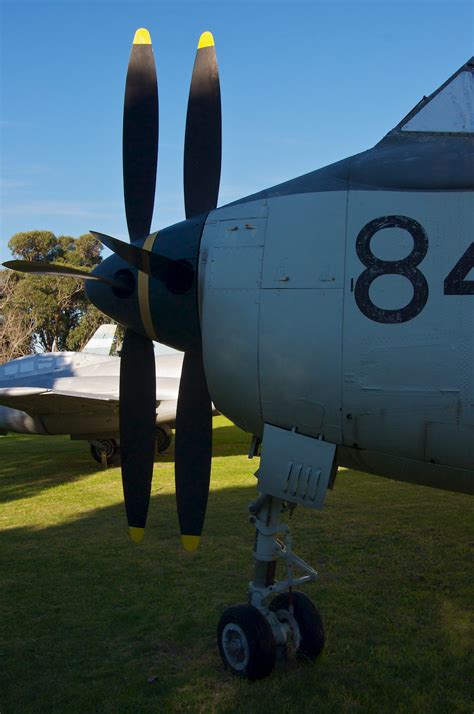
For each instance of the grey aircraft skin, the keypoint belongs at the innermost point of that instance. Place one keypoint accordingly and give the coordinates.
(77, 393)
(339, 304)
(354, 316)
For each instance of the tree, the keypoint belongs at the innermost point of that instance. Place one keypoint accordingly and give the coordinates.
(45, 246)
(44, 308)
(16, 327)
(36, 245)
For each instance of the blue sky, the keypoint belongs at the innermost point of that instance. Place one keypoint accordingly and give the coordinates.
(303, 84)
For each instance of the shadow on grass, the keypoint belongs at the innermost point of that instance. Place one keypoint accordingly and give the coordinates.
(89, 618)
(30, 464)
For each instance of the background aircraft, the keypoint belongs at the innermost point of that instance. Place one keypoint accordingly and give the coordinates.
(329, 316)
(77, 393)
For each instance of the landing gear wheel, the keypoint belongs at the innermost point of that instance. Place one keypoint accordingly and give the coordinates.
(111, 449)
(163, 438)
(246, 642)
(309, 622)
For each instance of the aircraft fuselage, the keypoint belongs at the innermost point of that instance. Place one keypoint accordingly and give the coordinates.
(340, 303)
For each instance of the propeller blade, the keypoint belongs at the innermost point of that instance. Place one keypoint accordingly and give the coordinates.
(178, 275)
(27, 266)
(193, 449)
(137, 412)
(203, 138)
(202, 169)
(140, 136)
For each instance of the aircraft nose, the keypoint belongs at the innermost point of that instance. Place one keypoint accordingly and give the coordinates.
(119, 303)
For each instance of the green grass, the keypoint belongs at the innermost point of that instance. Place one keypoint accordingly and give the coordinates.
(91, 623)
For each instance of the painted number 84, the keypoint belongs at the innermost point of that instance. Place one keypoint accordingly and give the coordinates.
(454, 284)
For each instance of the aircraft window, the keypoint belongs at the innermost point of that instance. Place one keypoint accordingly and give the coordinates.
(45, 363)
(450, 110)
(59, 362)
(10, 369)
(26, 366)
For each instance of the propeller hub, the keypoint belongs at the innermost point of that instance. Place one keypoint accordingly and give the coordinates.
(165, 307)
(127, 282)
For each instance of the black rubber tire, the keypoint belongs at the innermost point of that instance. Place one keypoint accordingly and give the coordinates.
(309, 622)
(163, 439)
(95, 453)
(259, 637)
(113, 459)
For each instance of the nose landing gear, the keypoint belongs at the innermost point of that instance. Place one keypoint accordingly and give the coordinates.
(251, 637)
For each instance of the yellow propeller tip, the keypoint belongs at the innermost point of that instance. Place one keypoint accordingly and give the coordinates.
(136, 534)
(190, 542)
(206, 40)
(142, 37)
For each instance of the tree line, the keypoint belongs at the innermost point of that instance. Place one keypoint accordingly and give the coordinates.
(42, 312)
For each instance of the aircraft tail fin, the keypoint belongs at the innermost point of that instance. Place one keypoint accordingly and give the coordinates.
(101, 341)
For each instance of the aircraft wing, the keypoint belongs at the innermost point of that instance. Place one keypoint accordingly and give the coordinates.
(37, 400)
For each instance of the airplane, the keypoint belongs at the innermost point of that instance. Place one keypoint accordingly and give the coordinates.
(76, 393)
(330, 317)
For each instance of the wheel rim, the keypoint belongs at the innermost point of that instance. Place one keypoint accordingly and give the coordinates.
(108, 446)
(285, 616)
(235, 646)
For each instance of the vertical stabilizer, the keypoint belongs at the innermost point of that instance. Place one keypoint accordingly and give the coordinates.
(101, 341)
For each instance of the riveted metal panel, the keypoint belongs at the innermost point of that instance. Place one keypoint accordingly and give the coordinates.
(403, 371)
(411, 470)
(230, 269)
(295, 468)
(300, 349)
(301, 360)
(450, 444)
(225, 272)
(251, 209)
(305, 246)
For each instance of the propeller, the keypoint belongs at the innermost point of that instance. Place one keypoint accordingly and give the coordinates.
(193, 443)
(160, 257)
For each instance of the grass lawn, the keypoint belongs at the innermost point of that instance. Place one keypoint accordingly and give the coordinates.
(92, 623)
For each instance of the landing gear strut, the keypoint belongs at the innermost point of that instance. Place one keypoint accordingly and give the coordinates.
(251, 636)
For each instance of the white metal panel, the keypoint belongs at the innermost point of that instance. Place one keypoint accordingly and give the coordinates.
(234, 233)
(230, 270)
(305, 245)
(399, 377)
(451, 110)
(300, 359)
(225, 272)
(300, 349)
(247, 209)
(295, 468)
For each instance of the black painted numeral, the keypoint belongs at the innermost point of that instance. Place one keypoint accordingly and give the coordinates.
(407, 267)
(455, 283)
